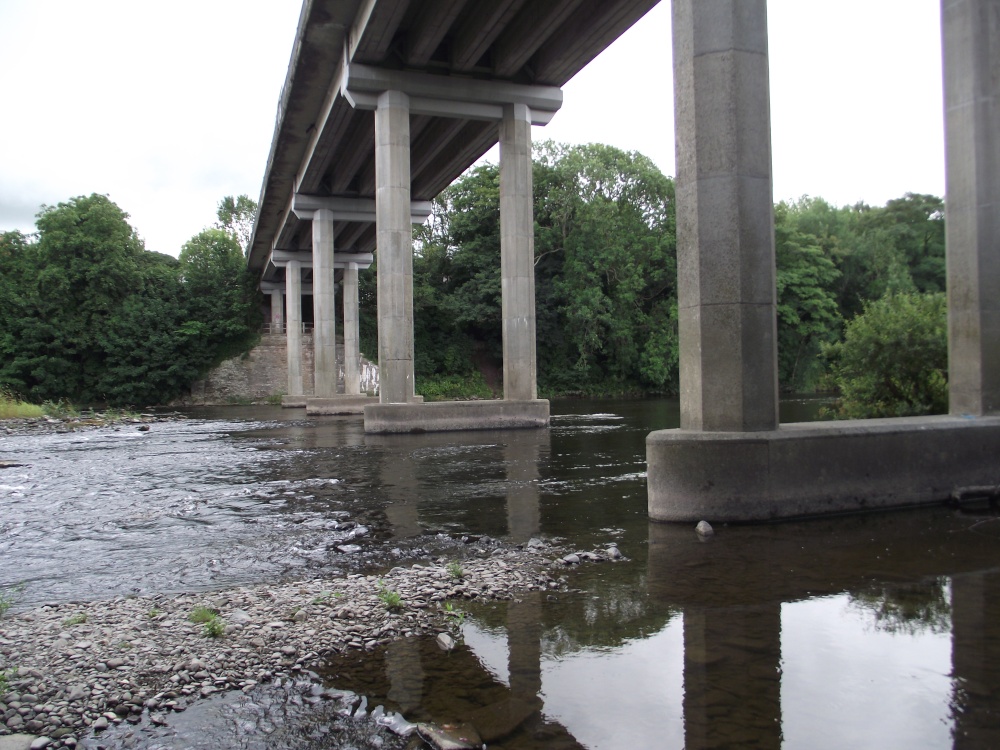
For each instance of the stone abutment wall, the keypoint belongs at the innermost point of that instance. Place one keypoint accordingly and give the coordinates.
(263, 372)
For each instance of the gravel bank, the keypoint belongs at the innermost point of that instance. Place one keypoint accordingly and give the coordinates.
(82, 667)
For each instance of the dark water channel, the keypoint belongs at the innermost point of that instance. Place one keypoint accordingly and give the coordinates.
(877, 631)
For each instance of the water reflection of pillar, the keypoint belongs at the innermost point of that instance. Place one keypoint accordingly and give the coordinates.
(399, 477)
(406, 675)
(524, 639)
(975, 659)
(732, 678)
(522, 456)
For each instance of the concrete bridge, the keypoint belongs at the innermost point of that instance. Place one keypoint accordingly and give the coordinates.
(388, 101)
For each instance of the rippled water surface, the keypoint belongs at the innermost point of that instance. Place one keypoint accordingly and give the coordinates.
(866, 632)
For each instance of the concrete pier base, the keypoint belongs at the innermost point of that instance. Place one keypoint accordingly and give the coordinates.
(340, 404)
(443, 416)
(817, 468)
(294, 402)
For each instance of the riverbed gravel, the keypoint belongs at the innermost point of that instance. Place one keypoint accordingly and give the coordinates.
(83, 667)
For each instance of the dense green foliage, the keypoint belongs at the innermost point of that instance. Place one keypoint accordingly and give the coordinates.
(87, 314)
(893, 359)
(605, 277)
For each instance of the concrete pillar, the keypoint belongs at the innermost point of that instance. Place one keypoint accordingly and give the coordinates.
(517, 255)
(352, 333)
(971, 41)
(324, 316)
(725, 216)
(394, 248)
(277, 312)
(293, 293)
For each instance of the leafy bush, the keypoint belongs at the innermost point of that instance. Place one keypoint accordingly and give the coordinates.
(893, 359)
(450, 387)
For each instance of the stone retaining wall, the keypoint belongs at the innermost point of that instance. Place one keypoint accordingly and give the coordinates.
(262, 373)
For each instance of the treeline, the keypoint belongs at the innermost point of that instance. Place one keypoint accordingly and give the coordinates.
(88, 315)
(606, 277)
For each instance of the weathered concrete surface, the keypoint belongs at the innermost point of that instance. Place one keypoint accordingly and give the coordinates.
(517, 255)
(395, 247)
(725, 223)
(442, 416)
(293, 293)
(809, 469)
(344, 403)
(352, 332)
(971, 41)
(324, 304)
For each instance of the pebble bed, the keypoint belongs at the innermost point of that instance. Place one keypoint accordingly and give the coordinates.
(82, 667)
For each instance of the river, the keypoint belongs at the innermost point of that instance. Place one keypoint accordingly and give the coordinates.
(866, 632)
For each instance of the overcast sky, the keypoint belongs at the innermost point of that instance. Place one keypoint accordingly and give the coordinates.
(168, 107)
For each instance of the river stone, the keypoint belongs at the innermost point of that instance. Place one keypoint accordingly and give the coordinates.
(445, 642)
(704, 528)
(463, 738)
(348, 549)
(571, 559)
(40, 743)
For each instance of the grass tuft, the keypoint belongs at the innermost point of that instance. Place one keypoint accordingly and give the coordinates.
(11, 407)
(9, 597)
(203, 614)
(391, 599)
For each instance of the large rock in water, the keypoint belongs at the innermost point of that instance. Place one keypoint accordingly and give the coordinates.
(451, 738)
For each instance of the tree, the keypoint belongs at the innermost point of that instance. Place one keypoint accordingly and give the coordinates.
(893, 360)
(236, 216)
(606, 242)
(222, 306)
(807, 306)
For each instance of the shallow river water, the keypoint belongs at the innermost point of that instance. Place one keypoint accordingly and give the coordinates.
(871, 631)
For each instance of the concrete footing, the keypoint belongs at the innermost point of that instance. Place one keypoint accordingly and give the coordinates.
(341, 404)
(817, 468)
(293, 402)
(442, 416)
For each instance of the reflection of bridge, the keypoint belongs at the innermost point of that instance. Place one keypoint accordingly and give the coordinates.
(387, 101)
(732, 661)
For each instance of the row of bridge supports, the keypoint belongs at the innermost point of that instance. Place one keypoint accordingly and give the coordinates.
(394, 97)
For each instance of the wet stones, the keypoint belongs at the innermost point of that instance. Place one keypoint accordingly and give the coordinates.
(610, 553)
(139, 660)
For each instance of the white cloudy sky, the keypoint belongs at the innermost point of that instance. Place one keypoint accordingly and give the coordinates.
(167, 107)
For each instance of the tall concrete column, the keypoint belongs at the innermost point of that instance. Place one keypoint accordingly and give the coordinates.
(277, 311)
(352, 351)
(324, 291)
(517, 255)
(725, 221)
(293, 293)
(394, 239)
(971, 41)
